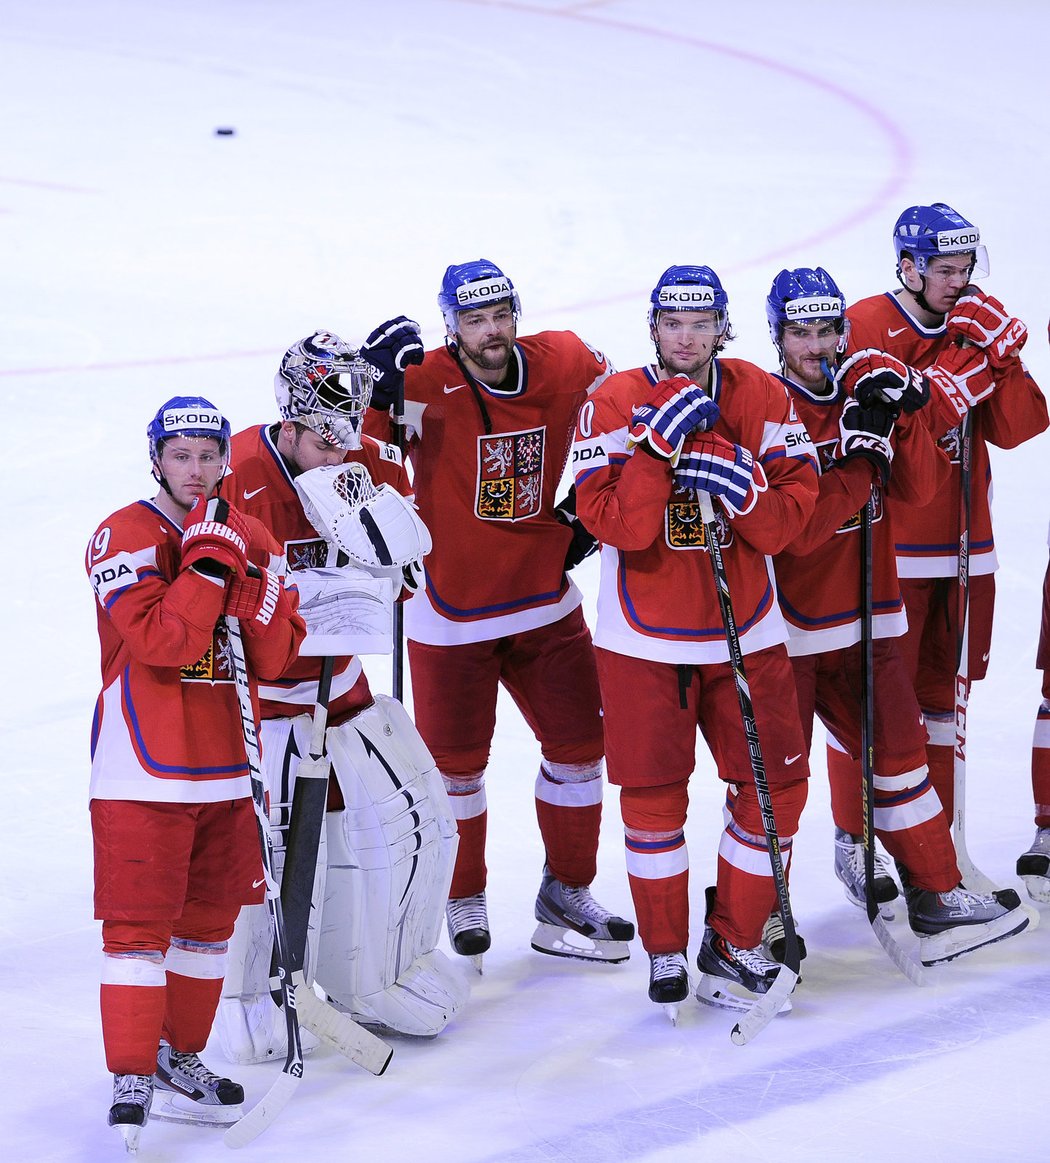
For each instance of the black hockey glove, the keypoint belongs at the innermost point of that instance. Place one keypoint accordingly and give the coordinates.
(583, 543)
(866, 432)
(390, 349)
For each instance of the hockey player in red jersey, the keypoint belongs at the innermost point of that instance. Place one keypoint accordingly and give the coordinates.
(176, 841)
(968, 347)
(489, 417)
(646, 443)
(323, 387)
(868, 448)
(1033, 866)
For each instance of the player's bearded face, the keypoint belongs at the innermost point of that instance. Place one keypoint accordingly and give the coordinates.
(805, 346)
(486, 336)
(686, 340)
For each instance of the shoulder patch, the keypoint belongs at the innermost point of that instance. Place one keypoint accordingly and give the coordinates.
(390, 452)
(115, 573)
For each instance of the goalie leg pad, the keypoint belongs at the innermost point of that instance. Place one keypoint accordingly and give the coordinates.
(391, 854)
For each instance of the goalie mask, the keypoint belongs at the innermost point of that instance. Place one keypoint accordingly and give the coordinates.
(325, 385)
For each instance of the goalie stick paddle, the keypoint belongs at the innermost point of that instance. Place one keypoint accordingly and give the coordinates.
(398, 658)
(770, 1003)
(896, 952)
(273, 1102)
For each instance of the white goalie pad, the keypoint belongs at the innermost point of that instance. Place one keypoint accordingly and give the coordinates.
(346, 610)
(250, 1025)
(376, 528)
(391, 854)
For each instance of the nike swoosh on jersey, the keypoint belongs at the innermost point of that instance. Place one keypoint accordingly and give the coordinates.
(248, 496)
(256, 883)
(893, 334)
(448, 391)
(794, 758)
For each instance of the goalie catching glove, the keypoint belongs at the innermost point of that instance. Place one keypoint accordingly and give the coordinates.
(677, 408)
(982, 320)
(872, 375)
(377, 528)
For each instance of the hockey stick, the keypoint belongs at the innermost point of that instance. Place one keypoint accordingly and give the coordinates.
(276, 1098)
(770, 1003)
(972, 877)
(907, 965)
(398, 659)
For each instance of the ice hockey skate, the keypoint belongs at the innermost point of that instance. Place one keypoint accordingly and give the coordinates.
(573, 924)
(132, 1100)
(668, 982)
(849, 868)
(468, 927)
(775, 941)
(188, 1092)
(952, 923)
(731, 977)
(1033, 867)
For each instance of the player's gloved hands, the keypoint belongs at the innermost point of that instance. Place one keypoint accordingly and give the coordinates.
(390, 348)
(676, 408)
(413, 576)
(866, 432)
(583, 542)
(253, 597)
(982, 320)
(711, 464)
(215, 538)
(871, 375)
(963, 376)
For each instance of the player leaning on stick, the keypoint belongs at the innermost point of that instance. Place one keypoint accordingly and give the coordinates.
(377, 913)
(175, 837)
(968, 346)
(646, 442)
(489, 417)
(868, 444)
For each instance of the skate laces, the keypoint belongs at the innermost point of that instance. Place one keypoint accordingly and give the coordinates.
(580, 901)
(964, 901)
(132, 1088)
(468, 912)
(192, 1067)
(667, 966)
(753, 960)
(853, 859)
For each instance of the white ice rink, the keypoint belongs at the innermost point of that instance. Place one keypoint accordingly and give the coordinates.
(584, 147)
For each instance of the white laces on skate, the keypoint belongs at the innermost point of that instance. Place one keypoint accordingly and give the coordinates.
(192, 1067)
(580, 901)
(754, 960)
(132, 1088)
(468, 912)
(667, 966)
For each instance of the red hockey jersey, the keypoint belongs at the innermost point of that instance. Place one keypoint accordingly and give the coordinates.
(261, 484)
(487, 465)
(657, 597)
(927, 536)
(167, 725)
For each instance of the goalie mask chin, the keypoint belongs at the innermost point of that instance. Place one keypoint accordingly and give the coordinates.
(323, 384)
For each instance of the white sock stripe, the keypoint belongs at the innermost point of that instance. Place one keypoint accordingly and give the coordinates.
(900, 817)
(133, 970)
(941, 730)
(751, 857)
(569, 795)
(1041, 735)
(469, 806)
(907, 779)
(657, 865)
(203, 962)
(571, 772)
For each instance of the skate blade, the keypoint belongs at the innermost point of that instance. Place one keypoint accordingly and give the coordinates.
(946, 946)
(130, 1133)
(171, 1107)
(717, 992)
(1038, 888)
(671, 1009)
(561, 942)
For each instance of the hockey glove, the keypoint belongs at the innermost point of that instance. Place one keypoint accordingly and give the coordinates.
(390, 349)
(413, 577)
(963, 376)
(872, 375)
(711, 464)
(677, 408)
(215, 539)
(253, 598)
(866, 432)
(583, 542)
(983, 321)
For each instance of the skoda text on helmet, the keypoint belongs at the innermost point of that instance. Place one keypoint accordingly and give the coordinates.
(922, 233)
(804, 295)
(325, 385)
(689, 288)
(187, 416)
(474, 284)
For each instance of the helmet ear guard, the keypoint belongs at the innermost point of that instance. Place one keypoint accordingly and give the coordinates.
(479, 283)
(325, 385)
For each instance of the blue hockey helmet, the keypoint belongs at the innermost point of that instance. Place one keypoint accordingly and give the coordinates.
(805, 294)
(187, 416)
(474, 284)
(925, 232)
(688, 288)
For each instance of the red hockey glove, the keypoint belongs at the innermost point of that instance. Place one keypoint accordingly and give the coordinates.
(963, 376)
(983, 321)
(676, 408)
(871, 375)
(253, 597)
(215, 538)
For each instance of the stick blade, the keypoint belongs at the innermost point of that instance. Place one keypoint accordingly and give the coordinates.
(265, 1111)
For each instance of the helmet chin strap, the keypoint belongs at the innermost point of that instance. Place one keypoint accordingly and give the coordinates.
(920, 294)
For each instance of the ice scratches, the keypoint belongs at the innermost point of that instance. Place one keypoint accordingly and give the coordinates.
(819, 1073)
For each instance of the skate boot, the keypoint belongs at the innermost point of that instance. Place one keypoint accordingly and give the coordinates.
(775, 941)
(468, 927)
(723, 965)
(849, 868)
(132, 1099)
(668, 982)
(1034, 867)
(952, 923)
(573, 924)
(188, 1092)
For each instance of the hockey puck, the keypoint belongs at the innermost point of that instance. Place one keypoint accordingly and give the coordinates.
(224, 131)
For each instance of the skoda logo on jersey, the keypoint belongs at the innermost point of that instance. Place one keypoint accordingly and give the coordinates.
(687, 298)
(812, 306)
(483, 291)
(178, 420)
(952, 241)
